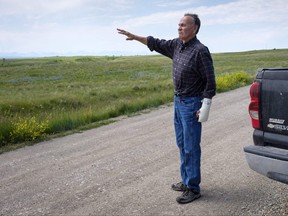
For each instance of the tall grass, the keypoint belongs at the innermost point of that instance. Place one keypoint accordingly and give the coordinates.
(59, 94)
(228, 82)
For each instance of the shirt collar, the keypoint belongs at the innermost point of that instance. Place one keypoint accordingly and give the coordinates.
(191, 41)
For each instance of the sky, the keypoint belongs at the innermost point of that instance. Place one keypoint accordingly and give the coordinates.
(88, 27)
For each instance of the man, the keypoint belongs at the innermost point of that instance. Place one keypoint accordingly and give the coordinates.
(194, 80)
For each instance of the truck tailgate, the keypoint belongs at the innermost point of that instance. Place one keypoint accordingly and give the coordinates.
(274, 101)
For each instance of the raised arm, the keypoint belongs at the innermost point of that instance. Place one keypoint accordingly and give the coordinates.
(130, 36)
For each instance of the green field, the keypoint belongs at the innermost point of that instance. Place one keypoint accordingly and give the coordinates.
(41, 97)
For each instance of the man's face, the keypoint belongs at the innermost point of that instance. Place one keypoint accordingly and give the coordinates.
(186, 28)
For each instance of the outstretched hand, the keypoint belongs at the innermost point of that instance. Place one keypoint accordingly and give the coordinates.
(131, 36)
(128, 34)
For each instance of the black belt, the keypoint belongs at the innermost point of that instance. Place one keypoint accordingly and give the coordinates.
(177, 94)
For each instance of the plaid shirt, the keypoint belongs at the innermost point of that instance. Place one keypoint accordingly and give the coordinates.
(193, 71)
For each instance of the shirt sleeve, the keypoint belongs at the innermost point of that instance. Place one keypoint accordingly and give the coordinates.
(207, 71)
(164, 47)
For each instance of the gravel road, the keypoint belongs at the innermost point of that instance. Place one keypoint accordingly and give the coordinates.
(127, 167)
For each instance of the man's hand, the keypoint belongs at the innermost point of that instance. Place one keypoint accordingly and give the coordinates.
(128, 34)
(132, 36)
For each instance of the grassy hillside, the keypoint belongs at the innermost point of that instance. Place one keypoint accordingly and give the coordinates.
(45, 96)
(250, 61)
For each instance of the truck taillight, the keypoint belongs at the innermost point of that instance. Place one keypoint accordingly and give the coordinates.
(254, 104)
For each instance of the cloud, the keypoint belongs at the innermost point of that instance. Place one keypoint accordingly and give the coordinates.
(19, 7)
(244, 39)
(63, 12)
(224, 26)
(242, 11)
(153, 19)
(175, 3)
(90, 25)
(245, 11)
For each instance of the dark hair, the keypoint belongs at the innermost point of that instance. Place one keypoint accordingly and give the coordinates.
(196, 20)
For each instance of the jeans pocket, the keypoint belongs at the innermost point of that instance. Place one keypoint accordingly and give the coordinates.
(189, 106)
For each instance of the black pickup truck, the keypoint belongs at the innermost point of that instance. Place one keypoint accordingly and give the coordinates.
(268, 110)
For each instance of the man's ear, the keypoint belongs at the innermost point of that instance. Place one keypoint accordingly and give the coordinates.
(196, 29)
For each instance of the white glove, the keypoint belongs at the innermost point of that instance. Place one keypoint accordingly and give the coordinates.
(204, 110)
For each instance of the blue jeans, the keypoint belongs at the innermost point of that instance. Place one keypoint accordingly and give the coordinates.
(188, 138)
